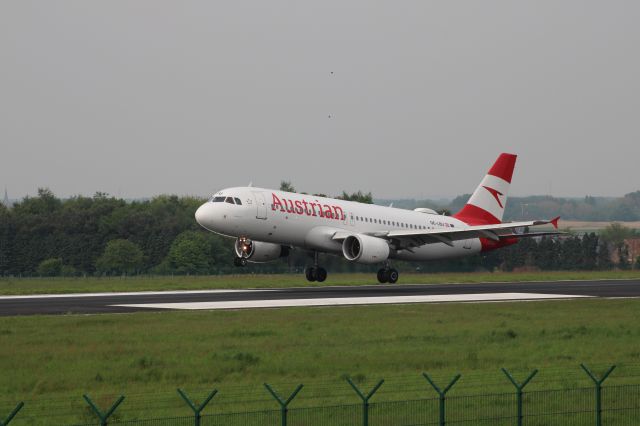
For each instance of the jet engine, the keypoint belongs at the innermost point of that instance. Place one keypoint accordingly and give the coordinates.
(259, 251)
(365, 249)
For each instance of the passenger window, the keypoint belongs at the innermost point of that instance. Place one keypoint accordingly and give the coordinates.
(238, 202)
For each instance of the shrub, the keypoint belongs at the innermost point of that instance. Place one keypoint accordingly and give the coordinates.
(50, 267)
(120, 257)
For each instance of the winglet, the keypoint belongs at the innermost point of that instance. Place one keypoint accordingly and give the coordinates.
(554, 222)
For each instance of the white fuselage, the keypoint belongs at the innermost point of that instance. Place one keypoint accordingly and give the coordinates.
(309, 222)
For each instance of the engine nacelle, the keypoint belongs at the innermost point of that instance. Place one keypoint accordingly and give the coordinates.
(258, 251)
(365, 249)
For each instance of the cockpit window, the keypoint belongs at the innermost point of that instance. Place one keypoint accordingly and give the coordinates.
(217, 199)
(238, 202)
(229, 200)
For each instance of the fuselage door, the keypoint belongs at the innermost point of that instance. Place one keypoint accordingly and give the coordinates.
(261, 205)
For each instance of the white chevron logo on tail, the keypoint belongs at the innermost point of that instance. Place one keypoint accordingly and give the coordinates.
(487, 203)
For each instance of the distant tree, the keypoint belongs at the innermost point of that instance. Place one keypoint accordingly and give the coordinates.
(624, 211)
(7, 226)
(190, 253)
(120, 257)
(604, 256)
(359, 196)
(616, 233)
(50, 267)
(286, 186)
(68, 271)
(589, 251)
(637, 265)
(546, 254)
(444, 212)
(571, 254)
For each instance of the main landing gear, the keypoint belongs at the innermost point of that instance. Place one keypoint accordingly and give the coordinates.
(240, 261)
(388, 275)
(315, 272)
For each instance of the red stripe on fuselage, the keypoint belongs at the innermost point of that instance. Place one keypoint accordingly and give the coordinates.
(488, 245)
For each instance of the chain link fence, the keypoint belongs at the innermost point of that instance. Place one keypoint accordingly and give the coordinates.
(616, 405)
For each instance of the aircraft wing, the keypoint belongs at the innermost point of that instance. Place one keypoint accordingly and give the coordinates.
(495, 232)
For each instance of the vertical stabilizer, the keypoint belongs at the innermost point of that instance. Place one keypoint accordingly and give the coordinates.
(486, 204)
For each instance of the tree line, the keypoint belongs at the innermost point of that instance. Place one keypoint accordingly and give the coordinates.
(103, 235)
(589, 208)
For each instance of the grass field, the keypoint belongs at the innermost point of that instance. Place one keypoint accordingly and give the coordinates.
(51, 360)
(10, 286)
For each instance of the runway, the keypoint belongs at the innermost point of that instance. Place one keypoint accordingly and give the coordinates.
(94, 303)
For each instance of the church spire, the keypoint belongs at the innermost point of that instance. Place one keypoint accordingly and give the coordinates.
(6, 197)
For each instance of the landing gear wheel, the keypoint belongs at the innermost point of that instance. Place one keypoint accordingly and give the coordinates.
(321, 274)
(315, 272)
(239, 261)
(383, 275)
(310, 273)
(393, 276)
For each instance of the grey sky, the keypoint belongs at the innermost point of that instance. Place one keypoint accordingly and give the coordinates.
(138, 98)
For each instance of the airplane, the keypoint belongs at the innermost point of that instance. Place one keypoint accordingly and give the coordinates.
(267, 224)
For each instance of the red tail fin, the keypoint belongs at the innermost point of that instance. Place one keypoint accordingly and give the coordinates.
(487, 203)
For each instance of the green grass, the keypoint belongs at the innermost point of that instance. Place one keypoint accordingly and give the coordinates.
(51, 360)
(14, 286)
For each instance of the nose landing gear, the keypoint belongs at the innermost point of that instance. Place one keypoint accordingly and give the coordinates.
(388, 275)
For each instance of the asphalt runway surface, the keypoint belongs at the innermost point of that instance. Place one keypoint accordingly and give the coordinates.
(313, 296)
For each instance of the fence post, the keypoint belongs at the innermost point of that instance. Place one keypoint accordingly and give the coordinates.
(519, 389)
(365, 399)
(12, 415)
(598, 383)
(197, 409)
(104, 417)
(442, 394)
(283, 404)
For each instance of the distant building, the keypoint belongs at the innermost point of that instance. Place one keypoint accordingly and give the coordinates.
(633, 248)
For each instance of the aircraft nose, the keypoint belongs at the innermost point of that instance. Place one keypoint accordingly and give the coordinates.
(204, 215)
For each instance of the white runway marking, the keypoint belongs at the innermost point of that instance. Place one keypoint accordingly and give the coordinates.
(136, 293)
(336, 301)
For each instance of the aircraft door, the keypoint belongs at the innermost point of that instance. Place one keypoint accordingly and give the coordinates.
(261, 205)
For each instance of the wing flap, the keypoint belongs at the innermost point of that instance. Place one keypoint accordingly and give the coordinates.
(494, 232)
